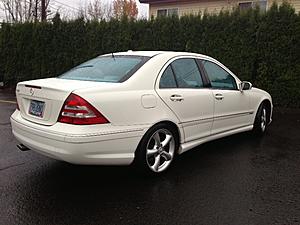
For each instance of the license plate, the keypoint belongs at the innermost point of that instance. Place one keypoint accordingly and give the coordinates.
(36, 108)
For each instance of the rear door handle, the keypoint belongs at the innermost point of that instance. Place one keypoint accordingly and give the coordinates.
(219, 96)
(176, 98)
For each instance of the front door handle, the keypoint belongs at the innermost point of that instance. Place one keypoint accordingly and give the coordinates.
(219, 96)
(176, 98)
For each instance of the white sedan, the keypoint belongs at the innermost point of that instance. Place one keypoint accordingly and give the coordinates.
(142, 107)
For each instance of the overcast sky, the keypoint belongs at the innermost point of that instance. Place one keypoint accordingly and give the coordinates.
(72, 5)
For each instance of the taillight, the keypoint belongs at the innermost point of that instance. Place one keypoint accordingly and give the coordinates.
(78, 111)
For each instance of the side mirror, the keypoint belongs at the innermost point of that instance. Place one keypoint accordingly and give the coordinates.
(245, 85)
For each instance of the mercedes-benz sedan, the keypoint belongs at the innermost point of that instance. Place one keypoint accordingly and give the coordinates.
(141, 107)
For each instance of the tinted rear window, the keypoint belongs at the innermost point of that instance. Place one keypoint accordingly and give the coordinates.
(106, 69)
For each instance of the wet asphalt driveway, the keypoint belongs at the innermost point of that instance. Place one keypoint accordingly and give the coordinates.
(236, 180)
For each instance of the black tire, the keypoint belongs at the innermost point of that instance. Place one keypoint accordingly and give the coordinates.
(157, 149)
(261, 120)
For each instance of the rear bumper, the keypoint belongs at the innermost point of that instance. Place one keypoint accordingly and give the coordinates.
(95, 145)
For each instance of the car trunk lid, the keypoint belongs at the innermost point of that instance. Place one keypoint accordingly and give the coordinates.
(40, 101)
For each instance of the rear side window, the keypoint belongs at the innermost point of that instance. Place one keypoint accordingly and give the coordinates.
(106, 69)
(219, 78)
(187, 73)
(182, 73)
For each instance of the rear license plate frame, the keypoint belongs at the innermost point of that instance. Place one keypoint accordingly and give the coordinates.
(36, 108)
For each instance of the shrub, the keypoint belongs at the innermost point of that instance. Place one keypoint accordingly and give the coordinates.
(263, 48)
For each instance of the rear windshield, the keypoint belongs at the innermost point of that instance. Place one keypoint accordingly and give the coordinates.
(111, 68)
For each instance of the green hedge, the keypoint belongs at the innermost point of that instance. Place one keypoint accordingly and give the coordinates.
(263, 48)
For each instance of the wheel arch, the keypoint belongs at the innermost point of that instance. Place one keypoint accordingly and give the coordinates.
(174, 127)
(269, 109)
(268, 105)
(178, 131)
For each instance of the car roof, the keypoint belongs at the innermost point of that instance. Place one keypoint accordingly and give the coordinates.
(155, 53)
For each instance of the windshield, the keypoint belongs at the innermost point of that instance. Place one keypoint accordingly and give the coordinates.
(106, 69)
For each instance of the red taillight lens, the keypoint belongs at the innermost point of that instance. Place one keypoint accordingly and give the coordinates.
(78, 111)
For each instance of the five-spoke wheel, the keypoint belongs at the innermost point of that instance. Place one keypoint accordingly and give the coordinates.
(160, 150)
(261, 120)
(157, 149)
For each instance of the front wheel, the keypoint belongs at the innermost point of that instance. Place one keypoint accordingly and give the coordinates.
(261, 120)
(157, 149)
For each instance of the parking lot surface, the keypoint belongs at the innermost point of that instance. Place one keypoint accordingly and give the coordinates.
(236, 180)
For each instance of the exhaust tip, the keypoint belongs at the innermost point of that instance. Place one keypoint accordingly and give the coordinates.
(23, 148)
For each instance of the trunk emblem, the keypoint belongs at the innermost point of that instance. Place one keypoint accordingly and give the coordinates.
(31, 91)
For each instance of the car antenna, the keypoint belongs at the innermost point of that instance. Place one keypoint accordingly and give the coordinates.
(112, 55)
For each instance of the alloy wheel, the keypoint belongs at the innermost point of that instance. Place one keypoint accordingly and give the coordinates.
(160, 150)
(263, 119)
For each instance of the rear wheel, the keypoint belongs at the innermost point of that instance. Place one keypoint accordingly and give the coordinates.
(157, 149)
(261, 120)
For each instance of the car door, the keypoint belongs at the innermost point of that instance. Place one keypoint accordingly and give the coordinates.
(231, 106)
(182, 89)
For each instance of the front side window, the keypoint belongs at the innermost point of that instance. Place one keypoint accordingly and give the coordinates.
(106, 69)
(187, 73)
(219, 78)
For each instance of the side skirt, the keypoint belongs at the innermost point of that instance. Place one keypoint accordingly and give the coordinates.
(189, 145)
